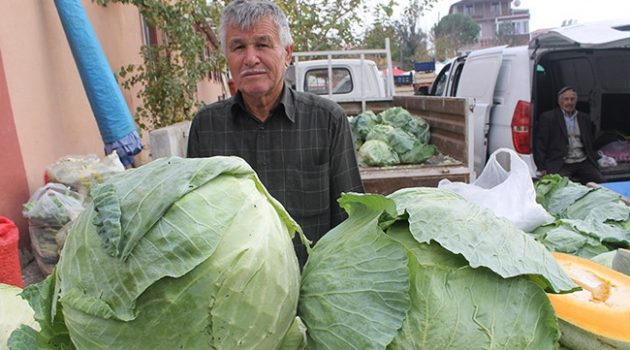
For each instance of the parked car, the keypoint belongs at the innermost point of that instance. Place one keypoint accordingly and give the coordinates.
(512, 86)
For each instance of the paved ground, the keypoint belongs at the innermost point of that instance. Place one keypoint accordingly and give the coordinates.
(30, 271)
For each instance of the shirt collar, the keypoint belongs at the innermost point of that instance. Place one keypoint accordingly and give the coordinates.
(287, 101)
(567, 115)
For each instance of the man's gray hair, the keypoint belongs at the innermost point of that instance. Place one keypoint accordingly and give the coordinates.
(246, 13)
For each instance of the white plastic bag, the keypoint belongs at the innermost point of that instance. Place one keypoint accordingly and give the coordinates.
(80, 172)
(605, 161)
(509, 194)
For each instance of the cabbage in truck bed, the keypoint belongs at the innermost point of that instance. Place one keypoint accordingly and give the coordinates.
(391, 137)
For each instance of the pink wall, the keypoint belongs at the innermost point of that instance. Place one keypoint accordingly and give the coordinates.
(13, 185)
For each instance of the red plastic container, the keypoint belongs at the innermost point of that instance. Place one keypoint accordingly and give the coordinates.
(10, 270)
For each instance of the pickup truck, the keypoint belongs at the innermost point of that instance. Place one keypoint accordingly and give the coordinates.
(423, 77)
(357, 85)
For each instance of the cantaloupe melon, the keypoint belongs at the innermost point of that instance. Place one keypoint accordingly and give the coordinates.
(598, 316)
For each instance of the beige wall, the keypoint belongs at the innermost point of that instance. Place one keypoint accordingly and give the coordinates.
(52, 114)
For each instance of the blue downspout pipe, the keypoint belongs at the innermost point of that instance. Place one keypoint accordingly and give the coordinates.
(113, 118)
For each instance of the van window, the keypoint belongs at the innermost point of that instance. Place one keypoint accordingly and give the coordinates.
(455, 81)
(440, 82)
(316, 81)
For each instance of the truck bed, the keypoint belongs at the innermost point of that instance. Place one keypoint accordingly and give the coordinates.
(449, 123)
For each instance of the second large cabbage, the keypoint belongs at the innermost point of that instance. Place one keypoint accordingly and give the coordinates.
(425, 269)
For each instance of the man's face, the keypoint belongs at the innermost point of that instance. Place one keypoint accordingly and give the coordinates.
(567, 101)
(256, 59)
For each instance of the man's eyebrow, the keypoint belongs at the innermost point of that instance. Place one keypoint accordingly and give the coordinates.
(262, 38)
(235, 41)
(257, 40)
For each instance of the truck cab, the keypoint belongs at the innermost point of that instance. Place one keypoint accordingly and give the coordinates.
(339, 79)
(510, 87)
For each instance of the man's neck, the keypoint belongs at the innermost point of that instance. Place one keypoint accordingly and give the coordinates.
(569, 114)
(261, 106)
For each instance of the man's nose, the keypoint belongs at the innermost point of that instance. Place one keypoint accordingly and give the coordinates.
(251, 56)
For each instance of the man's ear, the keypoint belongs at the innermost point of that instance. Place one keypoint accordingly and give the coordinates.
(289, 55)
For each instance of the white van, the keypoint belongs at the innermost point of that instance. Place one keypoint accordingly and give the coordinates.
(511, 86)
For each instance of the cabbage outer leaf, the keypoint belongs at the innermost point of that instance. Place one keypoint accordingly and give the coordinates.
(483, 239)
(355, 283)
(454, 306)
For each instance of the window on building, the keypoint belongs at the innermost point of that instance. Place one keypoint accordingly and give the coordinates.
(495, 8)
(469, 10)
(149, 33)
(513, 27)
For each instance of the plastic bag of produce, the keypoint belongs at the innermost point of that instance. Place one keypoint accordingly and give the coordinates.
(79, 172)
(53, 204)
(48, 210)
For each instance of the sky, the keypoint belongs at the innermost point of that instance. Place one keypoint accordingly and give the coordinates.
(547, 13)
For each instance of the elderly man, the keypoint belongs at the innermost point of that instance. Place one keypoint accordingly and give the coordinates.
(299, 144)
(564, 141)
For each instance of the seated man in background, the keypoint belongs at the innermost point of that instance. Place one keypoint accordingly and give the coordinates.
(563, 141)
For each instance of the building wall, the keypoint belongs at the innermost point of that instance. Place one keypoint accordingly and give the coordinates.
(486, 13)
(45, 99)
(13, 184)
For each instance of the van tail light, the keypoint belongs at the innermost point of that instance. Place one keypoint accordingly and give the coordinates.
(521, 127)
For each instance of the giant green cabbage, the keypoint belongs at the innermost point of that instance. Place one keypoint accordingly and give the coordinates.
(425, 269)
(177, 254)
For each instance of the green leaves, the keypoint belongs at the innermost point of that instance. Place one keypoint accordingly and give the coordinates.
(355, 284)
(177, 254)
(590, 221)
(425, 269)
(482, 238)
(173, 66)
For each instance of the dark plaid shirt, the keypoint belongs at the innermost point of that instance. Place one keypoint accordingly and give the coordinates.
(303, 153)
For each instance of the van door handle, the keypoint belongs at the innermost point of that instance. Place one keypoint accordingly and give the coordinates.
(471, 106)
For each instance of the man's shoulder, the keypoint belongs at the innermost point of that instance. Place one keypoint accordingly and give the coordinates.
(216, 108)
(551, 114)
(312, 101)
(581, 114)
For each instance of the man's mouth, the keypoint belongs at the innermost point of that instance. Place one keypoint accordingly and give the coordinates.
(250, 72)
